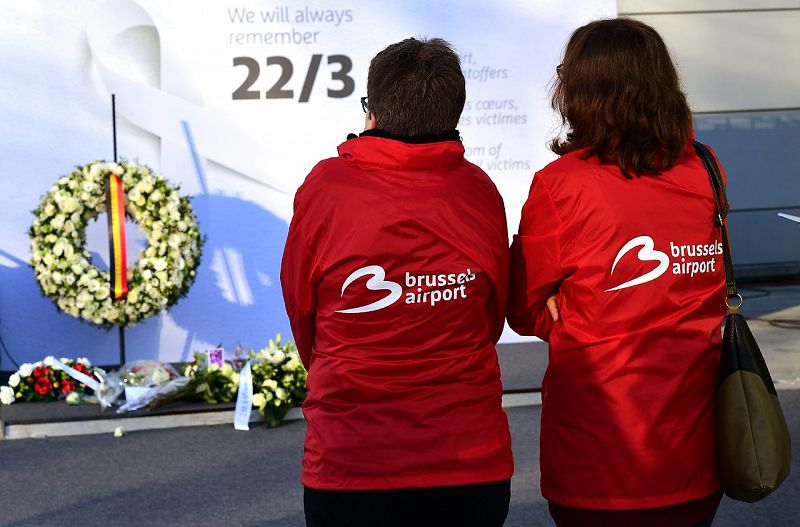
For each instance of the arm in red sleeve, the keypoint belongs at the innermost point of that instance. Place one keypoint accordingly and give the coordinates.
(501, 284)
(299, 293)
(536, 269)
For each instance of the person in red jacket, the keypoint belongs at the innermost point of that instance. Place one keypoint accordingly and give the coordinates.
(395, 279)
(618, 237)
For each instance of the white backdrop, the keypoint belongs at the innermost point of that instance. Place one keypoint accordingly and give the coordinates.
(264, 90)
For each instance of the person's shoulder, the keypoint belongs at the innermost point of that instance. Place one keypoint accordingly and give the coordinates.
(569, 170)
(475, 175)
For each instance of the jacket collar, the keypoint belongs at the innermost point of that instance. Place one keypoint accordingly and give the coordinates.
(378, 149)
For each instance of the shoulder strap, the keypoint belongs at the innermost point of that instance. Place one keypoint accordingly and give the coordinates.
(722, 207)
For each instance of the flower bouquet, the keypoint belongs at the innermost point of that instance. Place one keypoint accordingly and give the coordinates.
(210, 383)
(140, 376)
(279, 380)
(41, 381)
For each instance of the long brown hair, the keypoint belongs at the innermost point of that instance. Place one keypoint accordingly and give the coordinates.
(620, 98)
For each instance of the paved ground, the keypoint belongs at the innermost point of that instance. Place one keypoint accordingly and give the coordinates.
(216, 476)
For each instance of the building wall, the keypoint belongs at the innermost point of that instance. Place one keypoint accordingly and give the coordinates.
(739, 61)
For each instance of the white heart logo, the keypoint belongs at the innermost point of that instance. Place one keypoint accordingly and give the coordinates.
(376, 283)
(647, 253)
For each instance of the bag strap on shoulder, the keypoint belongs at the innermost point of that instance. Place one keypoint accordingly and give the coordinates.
(722, 208)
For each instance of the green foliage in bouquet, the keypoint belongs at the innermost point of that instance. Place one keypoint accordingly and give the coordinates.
(279, 380)
(212, 384)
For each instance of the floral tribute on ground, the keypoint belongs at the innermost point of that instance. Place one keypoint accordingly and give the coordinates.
(160, 277)
(279, 380)
(40, 381)
(278, 376)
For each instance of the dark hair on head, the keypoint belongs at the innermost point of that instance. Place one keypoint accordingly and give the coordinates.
(416, 87)
(619, 95)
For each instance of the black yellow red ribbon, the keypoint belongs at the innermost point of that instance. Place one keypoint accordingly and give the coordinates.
(115, 205)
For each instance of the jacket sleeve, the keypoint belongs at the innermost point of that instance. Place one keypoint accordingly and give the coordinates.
(501, 283)
(299, 291)
(536, 270)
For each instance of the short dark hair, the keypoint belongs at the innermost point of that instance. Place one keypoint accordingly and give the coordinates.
(619, 96)
(416, 87)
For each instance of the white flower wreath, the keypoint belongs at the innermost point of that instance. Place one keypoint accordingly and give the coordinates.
(165, 269)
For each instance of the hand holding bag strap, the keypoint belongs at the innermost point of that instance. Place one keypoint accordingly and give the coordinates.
(722, 207)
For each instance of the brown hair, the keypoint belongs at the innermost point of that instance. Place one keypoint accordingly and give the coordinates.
(415, 87)
(619, 95)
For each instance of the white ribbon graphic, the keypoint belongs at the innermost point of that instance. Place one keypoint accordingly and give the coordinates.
(161, 111)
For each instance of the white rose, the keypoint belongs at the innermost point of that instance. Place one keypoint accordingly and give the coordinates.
(69, 227)
(48, 259)
(13, 381)
(292, 365)
(88, 186)
(276, 356)
(160, 264)
(182, 226)
(93, 286)
(48, 361)
(58, 221)
(259, 401)
(82, 299)
(174, 241)
(95, 170)
(6, 395)
(103, 293)
(49, 209)
(58, 248)
(69, 205)
(281, 394)
(84, 361)
(57, 278)
(26, 370)
(156, 196)
(271, 384)
(133, 296)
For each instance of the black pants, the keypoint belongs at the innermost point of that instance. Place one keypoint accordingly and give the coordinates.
(483, 505)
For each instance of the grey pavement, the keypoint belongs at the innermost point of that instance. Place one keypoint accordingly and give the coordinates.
(216, 476)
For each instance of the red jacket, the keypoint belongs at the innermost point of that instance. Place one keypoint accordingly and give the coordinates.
(629, 392)
(395, 278)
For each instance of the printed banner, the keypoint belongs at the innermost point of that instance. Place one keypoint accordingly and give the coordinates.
(236, 101)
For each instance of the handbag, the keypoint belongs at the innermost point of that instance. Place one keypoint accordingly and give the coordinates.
(753, 442)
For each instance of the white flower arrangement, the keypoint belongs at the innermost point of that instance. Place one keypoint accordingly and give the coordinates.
(279, 380)
(63, 267)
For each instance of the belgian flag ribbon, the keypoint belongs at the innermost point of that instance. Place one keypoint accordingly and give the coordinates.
(115, 205)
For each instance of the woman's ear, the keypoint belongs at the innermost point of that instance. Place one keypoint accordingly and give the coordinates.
(370, 121)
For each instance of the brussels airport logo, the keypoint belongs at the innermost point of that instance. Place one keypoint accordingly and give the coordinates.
(694, 259)
(438, 288)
